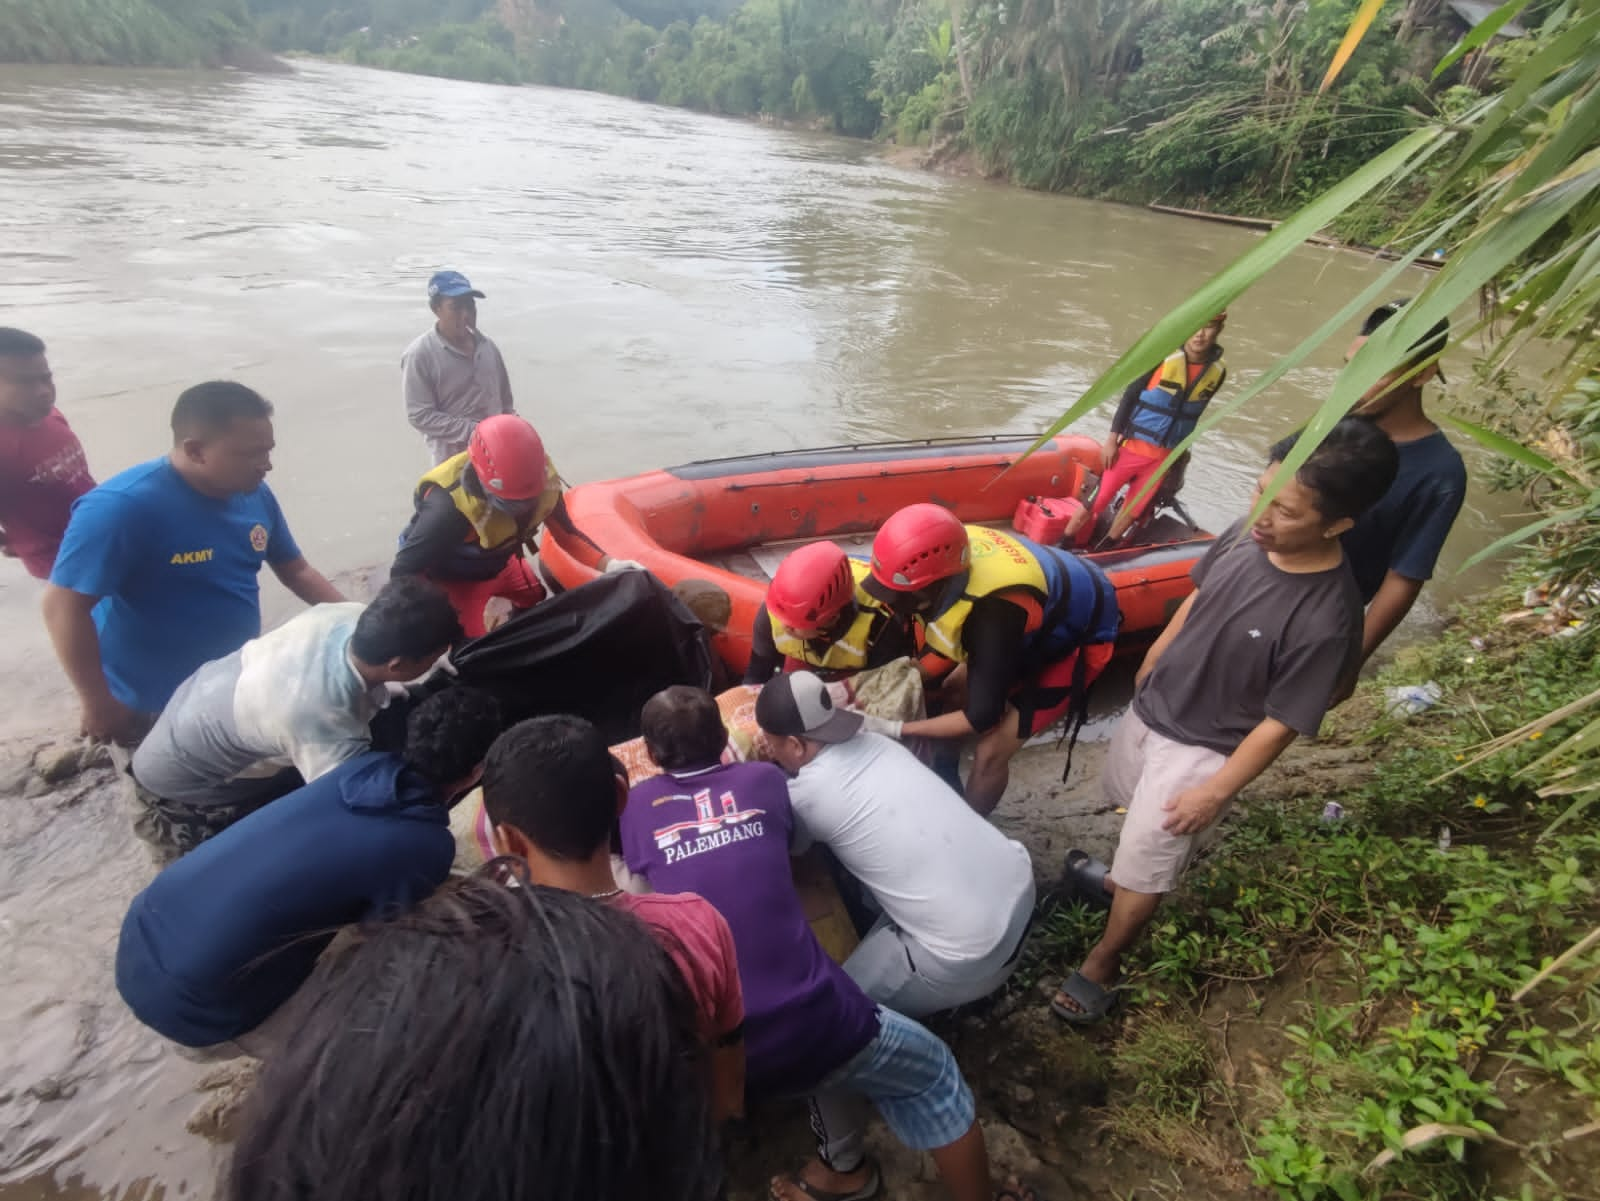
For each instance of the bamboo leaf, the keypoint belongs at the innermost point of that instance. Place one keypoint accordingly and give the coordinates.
(1361, 304)
(1359, 24)
(1522, 535)
(1501, 445)
(1480, 34)
(1553, 65)
(1580, 743)
(1226, 286)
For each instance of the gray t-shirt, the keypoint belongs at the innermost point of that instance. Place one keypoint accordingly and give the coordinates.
(1259, 642)
(447, 392)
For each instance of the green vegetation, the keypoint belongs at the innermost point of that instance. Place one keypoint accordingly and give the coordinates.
(1201, 103)
(1447, 1039)
(1511, 183)
(169, 33)
(1210, 103)
(1423, 1015)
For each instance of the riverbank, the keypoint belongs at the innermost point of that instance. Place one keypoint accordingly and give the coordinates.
(1330, 1008)
(1327, 1008)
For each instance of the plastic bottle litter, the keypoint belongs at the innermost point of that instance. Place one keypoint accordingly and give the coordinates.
(1444, 839)
(1411, 699)
(1332, 813)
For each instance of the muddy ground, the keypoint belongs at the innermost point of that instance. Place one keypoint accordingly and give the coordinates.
(1048, 1094)
(91, 1098)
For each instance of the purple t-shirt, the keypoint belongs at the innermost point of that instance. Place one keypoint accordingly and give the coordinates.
(724, 832)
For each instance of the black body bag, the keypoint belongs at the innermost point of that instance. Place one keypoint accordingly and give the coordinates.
(598, 651)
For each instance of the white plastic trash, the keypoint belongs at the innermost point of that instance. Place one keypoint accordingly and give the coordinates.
(1411, 699)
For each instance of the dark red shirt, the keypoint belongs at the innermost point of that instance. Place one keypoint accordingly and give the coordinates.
(42, 471)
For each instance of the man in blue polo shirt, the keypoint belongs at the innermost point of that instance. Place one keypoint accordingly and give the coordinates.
(157, 572)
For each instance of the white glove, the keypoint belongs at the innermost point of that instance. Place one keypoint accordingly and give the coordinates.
(615, 565)
(881, 725)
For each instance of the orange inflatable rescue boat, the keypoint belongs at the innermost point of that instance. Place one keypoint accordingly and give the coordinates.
(714, 531)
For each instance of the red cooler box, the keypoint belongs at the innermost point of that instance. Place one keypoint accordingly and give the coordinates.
(1044, 519)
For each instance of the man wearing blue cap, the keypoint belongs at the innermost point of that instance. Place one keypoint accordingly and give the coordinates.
(453, 376)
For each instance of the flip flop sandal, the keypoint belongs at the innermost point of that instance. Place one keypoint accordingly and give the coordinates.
(1094, 1002)
(866, 1192)
(1083, 878)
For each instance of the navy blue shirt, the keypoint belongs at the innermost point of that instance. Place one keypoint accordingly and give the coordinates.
(228, 933)
(177, 571)
(1405, 531)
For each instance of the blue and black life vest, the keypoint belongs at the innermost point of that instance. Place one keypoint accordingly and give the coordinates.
(1170, 406)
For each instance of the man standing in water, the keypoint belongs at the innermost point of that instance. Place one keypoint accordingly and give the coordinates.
(1395, 544)
(453, 377)
(42, 468)
(157, 570)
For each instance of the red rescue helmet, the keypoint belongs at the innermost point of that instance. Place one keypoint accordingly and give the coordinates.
(508, 456)
(811, 587)
(918, 546)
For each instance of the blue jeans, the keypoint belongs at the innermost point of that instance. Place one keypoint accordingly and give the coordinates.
(910, 1076)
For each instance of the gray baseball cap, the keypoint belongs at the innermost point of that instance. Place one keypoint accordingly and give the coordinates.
(798, 705)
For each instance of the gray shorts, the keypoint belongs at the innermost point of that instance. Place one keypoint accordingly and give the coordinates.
(1143, 771)
(899, 973)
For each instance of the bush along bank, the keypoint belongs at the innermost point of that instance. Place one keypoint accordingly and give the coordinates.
(1393, 996)
(1209, 104)
(164, 33)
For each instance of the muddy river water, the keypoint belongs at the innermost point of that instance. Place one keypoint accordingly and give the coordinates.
(665, 286)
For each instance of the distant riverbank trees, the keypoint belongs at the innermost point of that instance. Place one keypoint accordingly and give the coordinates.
(1205, 103)
(1198, 103)
(160, 33)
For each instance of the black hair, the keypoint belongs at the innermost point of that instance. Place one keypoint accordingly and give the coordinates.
(682, 727)
(552, 778)
(497, 1043)
(409, 618)
(19, 343)
(1349, 471)
(211, 407)
(449, 734)
(1428, 347)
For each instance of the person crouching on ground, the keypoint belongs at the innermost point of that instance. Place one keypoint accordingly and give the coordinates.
(723, 831)
(955, 893)
(1250, 661)
(281, 711)
(1021, 630)
(553, 796)
(497, 1044)
(214, 949)
(475, 513)
(818, 615)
